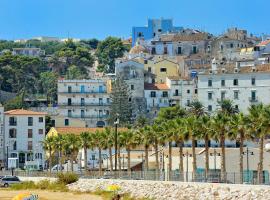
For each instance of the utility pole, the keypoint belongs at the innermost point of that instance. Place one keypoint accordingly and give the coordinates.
(116, 122)
(187, 154)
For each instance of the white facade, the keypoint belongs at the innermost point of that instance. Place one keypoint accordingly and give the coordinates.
(2, 146)
(244, 86)
(24, 134)
(28, 51)
(88, 100)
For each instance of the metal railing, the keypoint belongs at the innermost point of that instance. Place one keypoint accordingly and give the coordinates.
(211, 177)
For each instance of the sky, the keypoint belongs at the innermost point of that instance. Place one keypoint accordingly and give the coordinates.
(21, 19)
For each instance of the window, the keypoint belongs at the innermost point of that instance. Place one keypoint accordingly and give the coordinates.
(30, 133)
(30, 121)
(145, 61)
(163, 69)
(179, 50)
(153, 50)
(149, 69)
(30, 146)
(14, 145)
(153, 94)
(196, 91)
(210, 108)
(13, 121)
(253, 81)
(82, 101)
(194, 49)
(69, 89)
(40, 119)
(235, 82)
(188, 102)
(188, 91)
(82, 114)
(209, 83)
(236, 94)
(12, 133)
(165, 94)
(222, 83)
(66, 122)
(221, 47)
(40, 131)
(210, 96)
(82, 89)
(69, 113)
(253, 95)
(236, 107)
(69, 101)
(165, 50)
(231, 45)
(153, 80)
(132, 87)
(222, 96)
(176, 93)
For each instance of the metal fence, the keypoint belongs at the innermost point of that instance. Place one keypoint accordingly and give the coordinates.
(211, 177)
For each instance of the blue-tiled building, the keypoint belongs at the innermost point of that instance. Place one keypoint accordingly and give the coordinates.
(154, 27)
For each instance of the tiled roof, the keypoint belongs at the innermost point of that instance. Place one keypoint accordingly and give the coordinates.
(156, 86)
(264, 43)
(77, 131)
(23, 112)
(183, 37)
(177, 78)
(230, 69)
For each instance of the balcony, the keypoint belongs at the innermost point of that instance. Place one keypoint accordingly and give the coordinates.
(84, 104)
(83, 92)
(253, 99)
(89, 116)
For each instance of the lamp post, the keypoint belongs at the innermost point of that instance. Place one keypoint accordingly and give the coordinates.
(247, 152)
(7, 157)
(215, 160)
(116, 122)
(187, 154)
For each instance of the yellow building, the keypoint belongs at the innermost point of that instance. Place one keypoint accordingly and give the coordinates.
(159, 68)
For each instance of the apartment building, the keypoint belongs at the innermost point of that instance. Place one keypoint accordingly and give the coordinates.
(36, 52)
(86, 100)
(245, 86)
(2, 146)
(24, 133)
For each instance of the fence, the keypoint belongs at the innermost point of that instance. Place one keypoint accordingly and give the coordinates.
(211, 177)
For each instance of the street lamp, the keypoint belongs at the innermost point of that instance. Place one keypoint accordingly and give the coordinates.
(7, 146)
(116, 122)
(187, 154)
(247, 152)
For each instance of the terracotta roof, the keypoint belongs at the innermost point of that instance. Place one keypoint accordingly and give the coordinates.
(230, 69)
(156, 86)
(183, 37)
(78, 130)
(138, 49)
(264, 43)
(23, 112)
(177, 78)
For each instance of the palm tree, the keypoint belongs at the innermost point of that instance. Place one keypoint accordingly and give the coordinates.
(258, 124)
(197, 108)
(58, 145)
(48, 144)
(86, 144)
(220, 128)
(226, 106)
(72, 146)
(109, 145)
(99, 137)
(238, 125)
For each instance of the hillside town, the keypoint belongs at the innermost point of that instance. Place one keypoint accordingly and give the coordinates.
(164, 73)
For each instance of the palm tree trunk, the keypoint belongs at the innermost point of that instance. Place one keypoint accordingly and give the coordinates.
(146, 158)
(206, 141)
(194, 160)
(119, 159)
(71, 159)
(85, 160)
(50, 161)
(60, 161)
(99, 162)
(181, 162)
(157, 162)
(129, 169)
(111, 159)
(241, 156)
(170, 161)
(223, 164)
(260, 167)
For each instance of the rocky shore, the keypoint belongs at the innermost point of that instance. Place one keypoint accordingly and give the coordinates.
(176, 190)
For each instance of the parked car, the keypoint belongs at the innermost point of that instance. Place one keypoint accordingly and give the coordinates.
(9, 180)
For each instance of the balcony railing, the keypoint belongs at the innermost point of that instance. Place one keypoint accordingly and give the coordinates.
(89, 116)
(83, 92)
(84, 104)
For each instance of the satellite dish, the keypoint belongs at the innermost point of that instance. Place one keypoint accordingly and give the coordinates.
(267, 147)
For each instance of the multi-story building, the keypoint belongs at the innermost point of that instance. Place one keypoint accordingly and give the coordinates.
(154, 28)
(87, 100)
(132, 72)
(24, 134)
(245, 86)
(28, 52)
(2, 146)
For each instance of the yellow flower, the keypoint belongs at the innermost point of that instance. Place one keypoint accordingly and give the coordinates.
(113, 188)
(25, 196)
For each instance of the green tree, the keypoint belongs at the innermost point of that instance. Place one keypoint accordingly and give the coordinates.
(107, 51)
(74, 72)
(86, 144)
(15, 103)
(72, 145)
(120, 103)
(48, 82)
(48, 144)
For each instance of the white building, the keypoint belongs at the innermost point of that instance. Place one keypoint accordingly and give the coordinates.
(245, 86)
(2, 146)
(24, 133)
(36, 52)
(87, 100)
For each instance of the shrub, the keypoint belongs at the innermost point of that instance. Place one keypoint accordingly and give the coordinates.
(67, 178)
(23, 186)
(43, 184)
